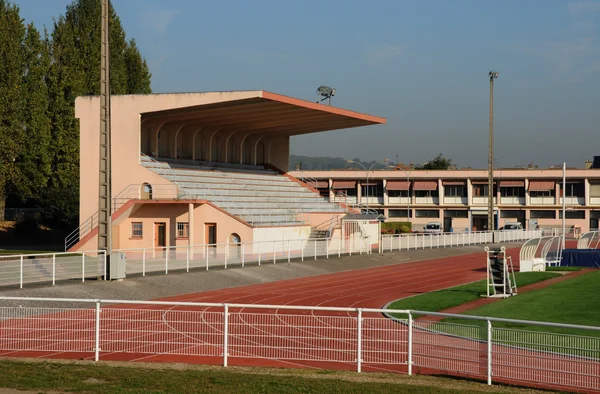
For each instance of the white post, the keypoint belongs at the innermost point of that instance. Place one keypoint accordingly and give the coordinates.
(144, 262)
(187, 259)
(274, 252)
(410, 343)
(489, 352)
(258, 253)
(206, 254)
(326, 248)
(359, 341)
(83, 267)
(225, 333)
(340, 246)
(97, 334)
(315, 244)
(289, 252)
(564, 205)
(21, 273)
(53, 269)
(243, 256)
(166, 260)
(225, 250)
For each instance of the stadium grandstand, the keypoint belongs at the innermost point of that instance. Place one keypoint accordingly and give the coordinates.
(205, 168)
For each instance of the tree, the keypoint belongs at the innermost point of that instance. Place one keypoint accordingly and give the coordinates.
(32, 164)
(439, 163)
(12, 33)
(75, 71)
(138, 74)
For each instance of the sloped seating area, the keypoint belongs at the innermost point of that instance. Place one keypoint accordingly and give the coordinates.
(257, 195)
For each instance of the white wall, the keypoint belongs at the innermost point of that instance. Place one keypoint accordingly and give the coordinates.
(265, 234)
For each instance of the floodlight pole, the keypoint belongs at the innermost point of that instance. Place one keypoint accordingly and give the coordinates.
(407, 173)
(104, 190)
(493, 75)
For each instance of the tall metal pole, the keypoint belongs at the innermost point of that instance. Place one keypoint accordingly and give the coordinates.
(491, 227)
(104, 191)
(564, 200)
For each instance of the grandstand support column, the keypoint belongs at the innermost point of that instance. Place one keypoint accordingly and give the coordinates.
(210, 143)
(191, 228)
(104, 190)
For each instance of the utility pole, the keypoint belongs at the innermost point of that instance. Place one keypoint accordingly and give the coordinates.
(104, 190)
(493, 75)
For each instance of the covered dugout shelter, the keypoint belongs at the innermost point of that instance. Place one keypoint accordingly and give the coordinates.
(215, 158)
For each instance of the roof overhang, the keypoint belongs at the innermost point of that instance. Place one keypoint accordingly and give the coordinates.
(265, 113)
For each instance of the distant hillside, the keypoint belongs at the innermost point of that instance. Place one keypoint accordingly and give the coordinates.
(330, 163)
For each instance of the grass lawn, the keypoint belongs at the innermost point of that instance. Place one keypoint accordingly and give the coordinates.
(575, 301)
(10, 252)
(170, 378)
(448, 298)
(559, 269)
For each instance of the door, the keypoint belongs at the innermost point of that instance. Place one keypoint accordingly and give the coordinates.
(210, 231)
(160, 235)
(447, 224)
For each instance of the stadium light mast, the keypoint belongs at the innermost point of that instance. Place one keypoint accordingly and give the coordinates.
(493, 75)
(326, 92)
(104, 190)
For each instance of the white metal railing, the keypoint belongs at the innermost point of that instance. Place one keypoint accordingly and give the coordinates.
(170, 258)
(492, 349)
(589, 240)
(309, 180)
(51, 267)
(414, 241)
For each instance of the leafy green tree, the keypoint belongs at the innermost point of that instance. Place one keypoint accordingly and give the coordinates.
(75, 71)
(12, 33)
(438, 163)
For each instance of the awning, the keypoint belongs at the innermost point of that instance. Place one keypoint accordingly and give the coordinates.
(322, 184)
(397, 185)
(541, 186)
(453, 183)
(425, 185)
(512, 183)
(344, 184)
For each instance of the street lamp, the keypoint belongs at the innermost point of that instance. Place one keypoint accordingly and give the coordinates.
(367, 171)
(408, 182)
(493, 75)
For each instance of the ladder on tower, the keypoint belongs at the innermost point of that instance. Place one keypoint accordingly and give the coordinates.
(501, 282)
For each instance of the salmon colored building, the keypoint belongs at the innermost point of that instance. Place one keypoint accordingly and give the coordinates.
(203, 168)
(458, 198)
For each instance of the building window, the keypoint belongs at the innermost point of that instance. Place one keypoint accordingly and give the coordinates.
(481, 190)
(512, 214)
(183, 230)
(512, 191)
(574, 189)
(572, 214)
(398, 213)
(456, 213)
(426, 193)
(137, 230)
(427, 213)
(539, 214)
(397, 193)
(372, 190)
(455, 191)
(544, 193)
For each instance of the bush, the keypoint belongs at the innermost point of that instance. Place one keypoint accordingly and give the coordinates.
(396, 227)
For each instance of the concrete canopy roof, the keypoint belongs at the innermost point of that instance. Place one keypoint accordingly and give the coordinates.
(266, 113)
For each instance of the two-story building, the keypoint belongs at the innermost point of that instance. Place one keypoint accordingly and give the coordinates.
(459, 198)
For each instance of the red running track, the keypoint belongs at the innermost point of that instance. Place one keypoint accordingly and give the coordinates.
(283, 338)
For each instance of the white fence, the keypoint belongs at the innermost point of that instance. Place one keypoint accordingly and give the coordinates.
(142, 261)
(398, 242)
(51, 267)
(503, 350)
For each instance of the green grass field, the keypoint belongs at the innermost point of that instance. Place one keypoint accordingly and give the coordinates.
(448, 298)
(79, 377)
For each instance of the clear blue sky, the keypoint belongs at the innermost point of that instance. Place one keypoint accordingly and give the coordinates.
(422, 64)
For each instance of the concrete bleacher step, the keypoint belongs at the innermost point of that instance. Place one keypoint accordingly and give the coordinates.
(257, 195)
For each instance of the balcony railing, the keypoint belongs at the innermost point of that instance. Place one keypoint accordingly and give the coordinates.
(371, 200)
(594, 200)
(427, 200)
(546, 200)
(399, 200)
(456, 200)
(512, 200)
(481, 200)
(573, 200)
